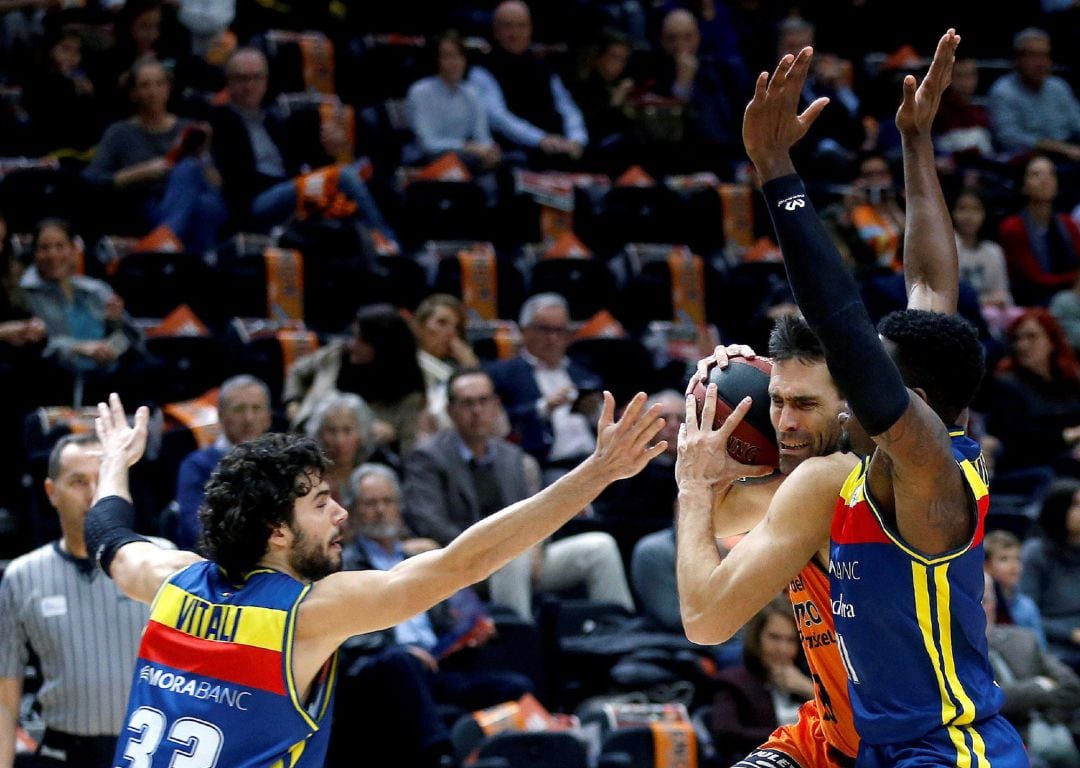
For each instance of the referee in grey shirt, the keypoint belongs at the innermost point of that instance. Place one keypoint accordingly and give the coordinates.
(85, 633)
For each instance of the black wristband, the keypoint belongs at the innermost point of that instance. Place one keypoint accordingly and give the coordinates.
(108, 527)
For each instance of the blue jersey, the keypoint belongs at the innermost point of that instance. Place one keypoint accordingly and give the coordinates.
(213, 681)
(911, 628)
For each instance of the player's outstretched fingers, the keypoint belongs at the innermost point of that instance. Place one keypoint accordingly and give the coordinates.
(708, 408)
(690, 425)
(647, 426)
(607, 414)
(735, 418)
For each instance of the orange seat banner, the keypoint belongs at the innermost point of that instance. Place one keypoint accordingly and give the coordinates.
(687, 287)
(479, 283)
(199, 414)
(284, 284)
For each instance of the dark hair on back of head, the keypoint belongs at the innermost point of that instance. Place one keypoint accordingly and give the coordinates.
(792, 339)
(252, 491)
(940, 354)
(1054, 513)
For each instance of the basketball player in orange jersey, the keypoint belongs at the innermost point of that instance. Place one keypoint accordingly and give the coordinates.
(789, 516)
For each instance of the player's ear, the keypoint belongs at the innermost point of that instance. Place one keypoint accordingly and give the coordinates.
(921, 393)
(280, 536)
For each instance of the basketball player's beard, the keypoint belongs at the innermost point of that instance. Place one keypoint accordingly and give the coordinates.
(310, 561)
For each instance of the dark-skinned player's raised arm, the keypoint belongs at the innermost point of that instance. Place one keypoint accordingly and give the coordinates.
(914, 476)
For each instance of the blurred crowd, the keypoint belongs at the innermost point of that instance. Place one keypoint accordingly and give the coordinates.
(430, 234)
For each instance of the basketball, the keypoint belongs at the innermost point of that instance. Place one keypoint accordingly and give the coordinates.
(754, 440)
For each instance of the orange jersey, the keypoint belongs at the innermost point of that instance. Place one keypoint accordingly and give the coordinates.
(809, 595)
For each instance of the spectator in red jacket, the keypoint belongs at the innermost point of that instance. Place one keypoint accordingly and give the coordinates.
(1042, 246)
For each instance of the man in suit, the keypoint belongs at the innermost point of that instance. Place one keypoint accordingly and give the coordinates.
(466, 473)
(550, 400)
(244, 414)
(394, 680)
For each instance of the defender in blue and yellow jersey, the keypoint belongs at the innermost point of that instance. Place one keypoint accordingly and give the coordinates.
(217, 658)
(911, 628)
(236, 667)
(905, 595)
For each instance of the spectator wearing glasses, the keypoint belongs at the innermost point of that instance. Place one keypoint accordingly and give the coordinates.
(550, 401)
(465, 473)
(1032, 110)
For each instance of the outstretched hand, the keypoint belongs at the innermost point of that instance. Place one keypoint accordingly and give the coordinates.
(772, 122)
(624, 447)
(915, 117)
(119, 440)
(703, 460)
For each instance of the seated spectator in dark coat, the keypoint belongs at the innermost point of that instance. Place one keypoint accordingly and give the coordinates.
(711, 94)
(261, 153)
(158, 165)
(445, 113)
(650, 495)
(601, 91)
(244, 414)
(60, 97)
(397, 713)
(766, 690)
(465, 473)
(1035, 397)
(1042, 247)
(547, 397)
(1052, 570)
(834, 141)
(527, 104)
(1038, 687)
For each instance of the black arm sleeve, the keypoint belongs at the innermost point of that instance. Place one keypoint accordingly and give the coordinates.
(829, 298)
(108, 527)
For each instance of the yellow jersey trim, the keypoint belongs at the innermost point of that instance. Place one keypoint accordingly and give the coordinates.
(290, 635)
(253, 625)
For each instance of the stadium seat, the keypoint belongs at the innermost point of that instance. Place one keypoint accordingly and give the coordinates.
(624, 365)
(27, 196)
(535, 749)
(587, 284)
(195, 364)
(443, 210)
(510, 284)
(153, 284)
(632, 747)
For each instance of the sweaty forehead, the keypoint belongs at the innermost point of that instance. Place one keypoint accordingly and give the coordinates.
(796, 379)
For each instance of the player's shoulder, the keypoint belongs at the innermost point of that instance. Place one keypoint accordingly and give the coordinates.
(832, 469)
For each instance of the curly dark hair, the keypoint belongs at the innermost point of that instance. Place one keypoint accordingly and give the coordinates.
(792, 339)
(253, 490)
(1054, 514)
(940, 354)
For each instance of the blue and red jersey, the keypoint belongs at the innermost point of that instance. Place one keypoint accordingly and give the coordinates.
(213, 683)
(910, 627)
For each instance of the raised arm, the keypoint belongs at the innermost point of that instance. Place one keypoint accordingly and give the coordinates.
(931, 267)
(354, 602)
(717, 596)
(923, 483)
(137, 565)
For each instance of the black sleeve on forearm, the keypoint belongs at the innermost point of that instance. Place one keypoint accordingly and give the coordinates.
(108, 527)
(829, 298)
